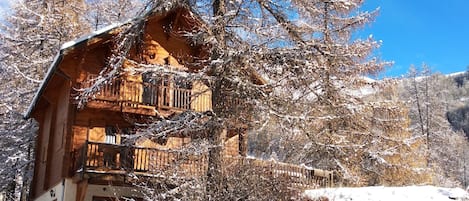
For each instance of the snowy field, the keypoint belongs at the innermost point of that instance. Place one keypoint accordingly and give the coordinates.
(410, 193)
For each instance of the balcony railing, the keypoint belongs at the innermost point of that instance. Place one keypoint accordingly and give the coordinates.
(110, 158)
(140, 94)
(102, 157)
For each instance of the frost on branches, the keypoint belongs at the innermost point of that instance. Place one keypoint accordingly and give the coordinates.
(307, 68)
(431, 99)
(289, 63)
(30, 35)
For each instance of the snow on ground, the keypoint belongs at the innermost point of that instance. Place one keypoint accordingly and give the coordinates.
(380, 193)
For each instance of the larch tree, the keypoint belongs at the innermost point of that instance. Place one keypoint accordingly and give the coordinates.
(318, 94)
(329, 71)
(311, 67)
(101, 13)
(430, 98)
(395, 156)
(29, 38)
(31, 33)
(292, 61)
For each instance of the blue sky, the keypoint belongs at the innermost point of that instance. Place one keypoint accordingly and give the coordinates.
(4, 4)
(434, 32)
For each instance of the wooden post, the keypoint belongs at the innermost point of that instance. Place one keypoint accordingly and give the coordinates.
(171, 91)
(242, 145)
(83, 159)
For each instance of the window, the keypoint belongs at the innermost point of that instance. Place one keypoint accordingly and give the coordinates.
(111, 135)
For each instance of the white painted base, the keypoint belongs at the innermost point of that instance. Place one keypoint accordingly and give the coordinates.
(67, 190)
(111, 191)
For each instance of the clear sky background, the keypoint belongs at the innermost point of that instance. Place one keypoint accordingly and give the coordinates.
(4, 4)
(434, 32)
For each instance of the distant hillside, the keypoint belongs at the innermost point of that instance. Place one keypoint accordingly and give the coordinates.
(458, 116)
(450, 92)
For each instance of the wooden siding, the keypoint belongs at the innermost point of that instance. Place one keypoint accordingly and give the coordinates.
(57, 138)
(54, 129)
(42, 150)
(231, 147)
(80, 134)
(202, 97)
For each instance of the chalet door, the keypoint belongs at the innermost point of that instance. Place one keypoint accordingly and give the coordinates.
(111, 135)
(150, 89)
(127, 152)
(166, 95)
(108, 149)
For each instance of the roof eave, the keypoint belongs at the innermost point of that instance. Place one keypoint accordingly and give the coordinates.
(42, 87)
(59, 56)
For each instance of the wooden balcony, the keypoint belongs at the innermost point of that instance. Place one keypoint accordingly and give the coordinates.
(147, 98)
(101, 158)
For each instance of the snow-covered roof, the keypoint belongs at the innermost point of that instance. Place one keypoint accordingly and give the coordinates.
(72, 43)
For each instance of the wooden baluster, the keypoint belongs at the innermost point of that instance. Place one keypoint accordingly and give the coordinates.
(123, 96)
(141, 153)
(151, 160)
(181, 98)
(135, 95)
(158, 160)
(95, 155)
(88, 151)
(178, 98)
(145, 159)
(165, 161)
(137, 159)
(133, 90)
(175, 98)
(92, 155)
(132, 95)
(142, 159)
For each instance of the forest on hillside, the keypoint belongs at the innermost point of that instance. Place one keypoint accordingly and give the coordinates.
(317, 108)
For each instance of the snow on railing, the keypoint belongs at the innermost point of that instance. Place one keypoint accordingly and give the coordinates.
(103, 157)
(136, 94)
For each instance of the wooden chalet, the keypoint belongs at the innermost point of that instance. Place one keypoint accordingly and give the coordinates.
(80, 153)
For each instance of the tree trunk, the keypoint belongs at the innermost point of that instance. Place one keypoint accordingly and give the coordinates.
(215, 125)
(215, 159)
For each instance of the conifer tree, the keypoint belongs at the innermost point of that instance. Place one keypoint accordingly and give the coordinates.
(29, 39)
(430, 99)
(305, 53)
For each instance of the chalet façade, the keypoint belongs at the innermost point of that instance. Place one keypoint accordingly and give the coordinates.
(80, 154)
